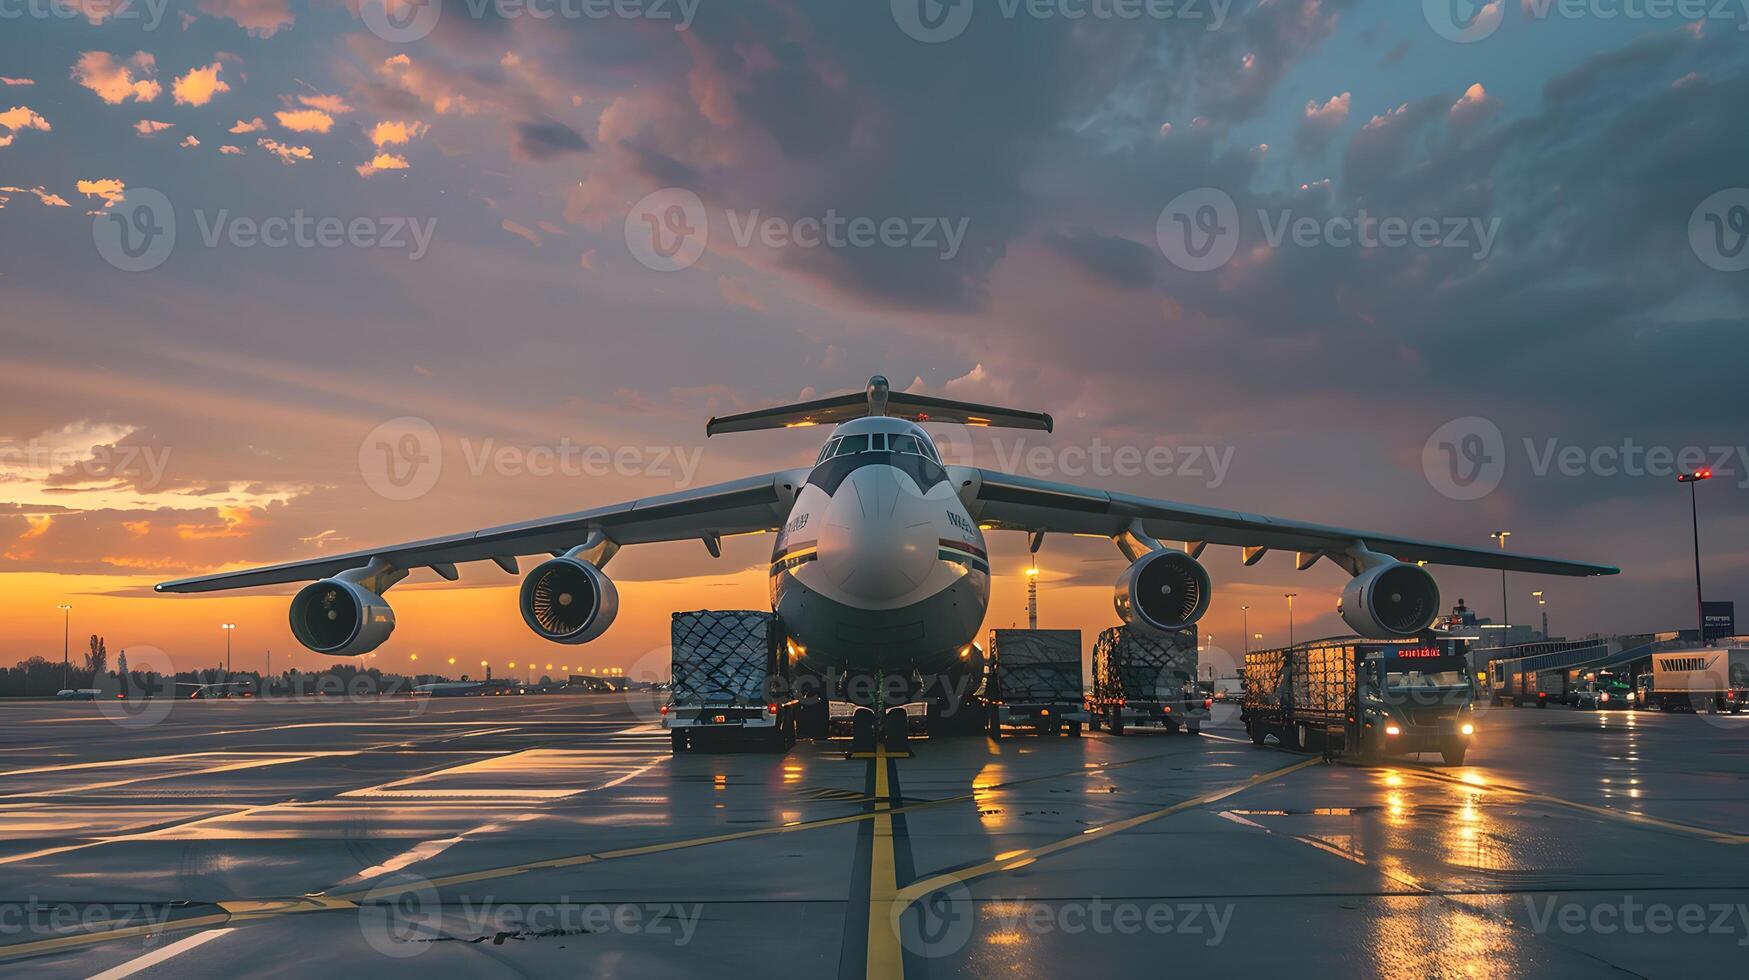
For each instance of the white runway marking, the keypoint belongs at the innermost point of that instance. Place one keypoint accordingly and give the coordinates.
(157, 956)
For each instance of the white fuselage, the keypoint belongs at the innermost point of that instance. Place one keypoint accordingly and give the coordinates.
(880, 567)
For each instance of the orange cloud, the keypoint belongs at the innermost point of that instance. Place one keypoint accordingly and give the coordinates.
(199, 86)
(107, 188)
(117, 81)
(287, 154)
(190, 141)
(391, 132)
(261, 18)
(19, 117)
(232, 151)
(305, 120)
(326, 103)
(255, 125)
(16, 81)
(48, 200)
(383, 161)
(151, 127)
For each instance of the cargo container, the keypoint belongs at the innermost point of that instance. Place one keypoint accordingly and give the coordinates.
(1689, 680)
(730, 682)
(1146, 676)
(1363, 698)
(1034, 680)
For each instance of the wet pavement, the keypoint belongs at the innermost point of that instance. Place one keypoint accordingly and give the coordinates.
(555, 835)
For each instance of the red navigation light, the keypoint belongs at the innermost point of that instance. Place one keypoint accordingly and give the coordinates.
(771, 709)
(662, 710)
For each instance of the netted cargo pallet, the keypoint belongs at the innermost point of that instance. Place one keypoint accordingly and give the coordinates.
(1139, 664)
(1035, 666)
(724, 656)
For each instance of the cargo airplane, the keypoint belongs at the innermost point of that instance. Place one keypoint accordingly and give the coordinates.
(879, 565)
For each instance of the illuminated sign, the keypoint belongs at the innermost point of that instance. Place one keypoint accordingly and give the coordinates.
(1419, 653)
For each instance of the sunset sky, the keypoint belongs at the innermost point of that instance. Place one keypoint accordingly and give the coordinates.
(221, 407)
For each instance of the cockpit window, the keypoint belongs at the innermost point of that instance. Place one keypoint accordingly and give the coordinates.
(851, 444)
(906, 444)
(826, 451)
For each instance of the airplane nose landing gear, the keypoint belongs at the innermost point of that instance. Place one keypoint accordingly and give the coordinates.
(878, 720)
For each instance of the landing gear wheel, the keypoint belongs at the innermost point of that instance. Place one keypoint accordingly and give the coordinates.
(896, 731)
(1257, 733)
(996, 723)
(1193, 728)
(1075, 728)
(1454, 754)
(862, 730)
(678, 741)
(1116, 720)
(1093, 720)
(1293, 737)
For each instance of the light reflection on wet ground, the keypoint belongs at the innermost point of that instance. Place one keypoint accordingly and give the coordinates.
(1388, 871)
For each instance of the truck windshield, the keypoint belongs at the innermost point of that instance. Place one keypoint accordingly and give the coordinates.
(1422, 678)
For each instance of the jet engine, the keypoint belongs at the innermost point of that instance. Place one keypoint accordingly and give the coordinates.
(568, 600)
(1167, 590)
(340, 619)
(1390, 601)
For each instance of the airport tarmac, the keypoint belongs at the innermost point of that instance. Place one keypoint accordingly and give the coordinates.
(555, 836)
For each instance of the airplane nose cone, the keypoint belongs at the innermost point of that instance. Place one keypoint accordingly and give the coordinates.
(879, 540)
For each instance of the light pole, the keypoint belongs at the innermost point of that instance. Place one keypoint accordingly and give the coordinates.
(1245, 616)
(1543, 604)
(1505, 615)
(1032, 596)
(1694, 520)
(66, 642)
(1289, 596)
(229, 628)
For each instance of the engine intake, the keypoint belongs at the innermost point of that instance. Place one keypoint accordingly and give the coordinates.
(1389, 602)
(568, 600)
(1167, 590)
(340, 619)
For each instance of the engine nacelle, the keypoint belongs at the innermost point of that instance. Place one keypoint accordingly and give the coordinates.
(1167, 590)
(1390, 602)
(340, 619)
(568, 600)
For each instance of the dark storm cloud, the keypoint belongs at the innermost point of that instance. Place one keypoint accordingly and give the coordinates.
(544, 140)
(1108, 259)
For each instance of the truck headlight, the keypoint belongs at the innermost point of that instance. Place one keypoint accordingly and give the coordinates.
(1393, 730)
(1468, 729)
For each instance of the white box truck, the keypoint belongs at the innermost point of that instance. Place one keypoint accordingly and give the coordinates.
(1689, 680)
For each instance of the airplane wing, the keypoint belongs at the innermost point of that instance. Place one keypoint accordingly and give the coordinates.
(1006, 502)
(749, 505)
